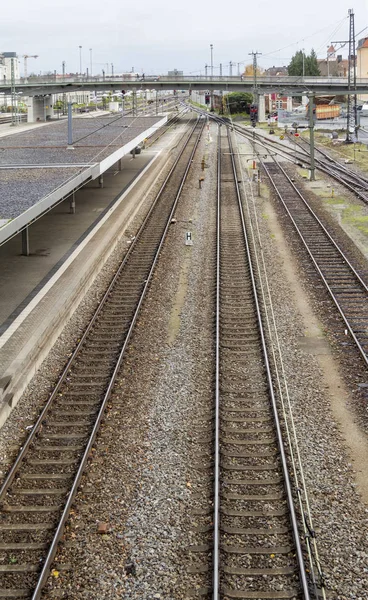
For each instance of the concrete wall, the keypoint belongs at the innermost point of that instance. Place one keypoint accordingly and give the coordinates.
(40, 108)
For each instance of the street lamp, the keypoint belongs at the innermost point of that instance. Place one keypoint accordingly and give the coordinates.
(211, 46)
(90, 61)
(80, 60)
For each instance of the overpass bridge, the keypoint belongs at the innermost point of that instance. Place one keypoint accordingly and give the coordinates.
(288, 86)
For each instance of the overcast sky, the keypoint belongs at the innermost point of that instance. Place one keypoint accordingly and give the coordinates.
(154, 37)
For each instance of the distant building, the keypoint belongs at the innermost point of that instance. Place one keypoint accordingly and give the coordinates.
(275, 102)
(332, 65)
(175, 73)
(276, 71)
(362, 63)
(8, 58)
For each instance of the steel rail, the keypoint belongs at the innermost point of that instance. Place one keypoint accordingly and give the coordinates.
(289, 494)
(333, 296)
(216, 508)
(31, 437)
(59, 532)
(290, 155)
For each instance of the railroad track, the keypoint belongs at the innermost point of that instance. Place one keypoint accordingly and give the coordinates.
(345, 286)
(38, 492)
(353, 181)
(251, 539)
(348, 290)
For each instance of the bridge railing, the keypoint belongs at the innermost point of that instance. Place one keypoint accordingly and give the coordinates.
(118, 80)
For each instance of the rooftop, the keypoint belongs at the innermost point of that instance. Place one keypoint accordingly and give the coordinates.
(37, 169)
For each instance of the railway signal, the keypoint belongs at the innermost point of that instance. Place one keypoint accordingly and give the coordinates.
(253, 114)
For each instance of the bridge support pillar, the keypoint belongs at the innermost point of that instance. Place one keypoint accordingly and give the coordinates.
(39, 108)
(261, 108)
(289, 104)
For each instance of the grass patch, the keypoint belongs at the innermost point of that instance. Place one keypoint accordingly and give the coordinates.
(352, 216)
(332, 201)
(303, 173)
(359, 155)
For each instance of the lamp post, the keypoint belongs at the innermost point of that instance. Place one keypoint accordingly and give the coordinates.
(80, 60)
(211, 47)
(303, 63)
(90, 61)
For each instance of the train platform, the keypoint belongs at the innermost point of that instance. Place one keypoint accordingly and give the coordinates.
(40, 291)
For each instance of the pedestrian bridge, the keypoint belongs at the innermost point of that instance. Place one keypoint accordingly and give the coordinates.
(285, 85)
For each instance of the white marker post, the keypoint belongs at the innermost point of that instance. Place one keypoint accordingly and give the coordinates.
(188, 238)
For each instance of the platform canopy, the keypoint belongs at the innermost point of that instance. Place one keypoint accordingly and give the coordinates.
(38, 170)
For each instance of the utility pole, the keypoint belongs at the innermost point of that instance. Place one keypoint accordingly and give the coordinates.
(352, 114)
(80, 60)
(311, 136)
(205, 70)
(13, 96)
(221, 94)
(112, 69)
(64, 95)
(212, 104)
(231, 68)
(255, 92)
(352, 124)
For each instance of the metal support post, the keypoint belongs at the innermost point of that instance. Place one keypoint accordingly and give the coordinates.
(72, 204)
(25, 242)
(119, 164)
(311, 136)
(13, 96)
(211, 98)
(100, 181)
(70, 127)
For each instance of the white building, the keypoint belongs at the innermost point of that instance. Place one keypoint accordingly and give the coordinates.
(8, 58)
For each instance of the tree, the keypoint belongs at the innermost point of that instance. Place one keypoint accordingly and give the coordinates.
(310, 64)
(248, 72)
(238, 102)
